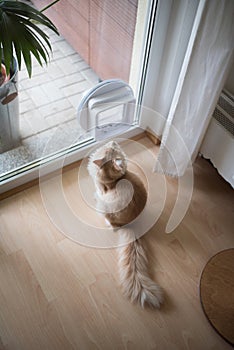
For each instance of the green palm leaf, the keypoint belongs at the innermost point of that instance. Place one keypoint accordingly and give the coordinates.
(19, 34)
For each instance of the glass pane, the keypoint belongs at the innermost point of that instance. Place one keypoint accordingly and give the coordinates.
(97, 41)
(104, 117)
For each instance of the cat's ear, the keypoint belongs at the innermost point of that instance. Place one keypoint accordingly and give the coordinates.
(114, 144)
(118, 163)
(98, 162)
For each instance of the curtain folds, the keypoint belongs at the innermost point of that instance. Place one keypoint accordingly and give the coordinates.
(208, 58)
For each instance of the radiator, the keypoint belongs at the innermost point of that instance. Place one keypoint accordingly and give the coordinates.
(224, 112)
(218, 144)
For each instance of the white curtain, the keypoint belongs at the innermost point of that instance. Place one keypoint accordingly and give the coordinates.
(203, 73)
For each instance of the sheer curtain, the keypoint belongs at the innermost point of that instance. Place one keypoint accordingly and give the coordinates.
(205, 66)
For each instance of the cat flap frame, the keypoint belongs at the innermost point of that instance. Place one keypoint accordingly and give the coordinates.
(105, 97)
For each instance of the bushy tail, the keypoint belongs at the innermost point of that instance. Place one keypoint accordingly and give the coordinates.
(133, 269)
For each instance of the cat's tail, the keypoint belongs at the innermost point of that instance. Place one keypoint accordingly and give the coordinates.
(133, 269)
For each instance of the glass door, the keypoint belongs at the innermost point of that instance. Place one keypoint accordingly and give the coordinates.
(99, 40)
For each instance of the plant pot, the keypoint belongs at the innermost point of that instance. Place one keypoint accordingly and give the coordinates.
(9, 112)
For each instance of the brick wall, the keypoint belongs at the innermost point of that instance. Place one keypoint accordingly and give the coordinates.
(102, 31)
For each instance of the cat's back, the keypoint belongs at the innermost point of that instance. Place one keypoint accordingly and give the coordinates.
(140, 193)
(135, 206)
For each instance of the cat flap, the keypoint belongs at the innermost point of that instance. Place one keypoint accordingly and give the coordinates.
(107, 109)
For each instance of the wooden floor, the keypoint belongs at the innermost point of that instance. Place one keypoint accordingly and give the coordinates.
(56, 294)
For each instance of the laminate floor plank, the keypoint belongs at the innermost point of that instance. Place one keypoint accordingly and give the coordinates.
(56, 294)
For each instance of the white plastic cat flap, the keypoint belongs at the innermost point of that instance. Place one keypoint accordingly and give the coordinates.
(107, 109)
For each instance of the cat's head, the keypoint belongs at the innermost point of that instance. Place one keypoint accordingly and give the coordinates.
(108, 163)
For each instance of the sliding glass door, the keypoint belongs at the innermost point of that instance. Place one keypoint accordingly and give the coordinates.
(99, 41)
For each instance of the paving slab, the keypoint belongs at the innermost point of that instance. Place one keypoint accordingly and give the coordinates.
(48, 105)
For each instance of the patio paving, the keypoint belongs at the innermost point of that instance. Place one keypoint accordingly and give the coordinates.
(48, 105)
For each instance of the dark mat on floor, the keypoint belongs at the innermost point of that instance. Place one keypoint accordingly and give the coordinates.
(217, 293)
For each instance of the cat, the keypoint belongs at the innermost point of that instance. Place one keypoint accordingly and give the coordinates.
(121, 196)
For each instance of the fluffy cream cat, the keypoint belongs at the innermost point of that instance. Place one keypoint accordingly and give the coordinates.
(121, 197)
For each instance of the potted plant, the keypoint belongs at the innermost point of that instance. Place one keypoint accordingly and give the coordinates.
(20, 37)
